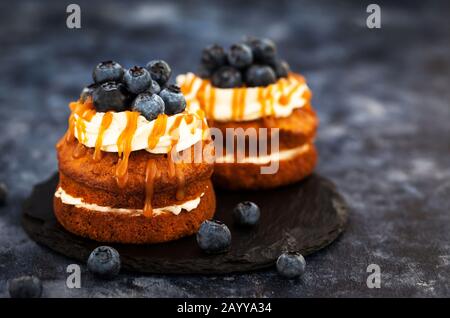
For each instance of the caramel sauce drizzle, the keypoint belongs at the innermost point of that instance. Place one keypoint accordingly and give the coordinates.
(186, 88)
(80, 126)
(80, 109)
(262, 101)
(307, 95)
(241, 103)
(180, 194)
(203, 123)
(285, 99)
(150, 176)
(159, 128)
(211, 101)
(170, 164)
(270, 97)
(87, 115)
(235, 104)
(78, 151)
(201, 94)
(280, 84)
(104, 125)
(124, 148)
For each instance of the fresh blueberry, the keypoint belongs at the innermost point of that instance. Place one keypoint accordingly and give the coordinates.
(213, 57)
(108, 71)
(260, 75)
(227, 77)
(246, 213)
(240, 55)
(149, 105)
(25, 287)
(173, 99)
(214, 237)
(291, 265)
(154, 88)
(3, 193)
(87, 92)
(110, 96)
(264, 50)
(281, 68)
(104, 261)
(137, 79)
(160, 71)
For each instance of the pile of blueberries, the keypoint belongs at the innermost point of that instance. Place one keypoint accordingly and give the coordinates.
(253, 62)
(143, 89)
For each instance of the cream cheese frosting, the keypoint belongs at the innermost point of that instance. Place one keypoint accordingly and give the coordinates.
(279, 99)
(187, 135)
(79, 203)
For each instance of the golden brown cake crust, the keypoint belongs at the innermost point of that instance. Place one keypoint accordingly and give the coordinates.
(101, 174)
(236, 176)
(116, 227)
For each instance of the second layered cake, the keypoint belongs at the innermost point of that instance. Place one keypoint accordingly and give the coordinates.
(279, 103)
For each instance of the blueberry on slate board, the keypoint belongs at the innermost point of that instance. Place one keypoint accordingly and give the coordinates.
(108, 71)
(149, 105)
(240, 55)
(160, 71)
(110, 96)
(214, 237)
(25, 287)
(227, 77)
(173, 99)
(104, 262)
(291, 265)
(246, 213)
(260, 75)
(137, 79)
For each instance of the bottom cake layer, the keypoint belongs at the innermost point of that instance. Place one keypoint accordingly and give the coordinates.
(131, 226)
(293, 165)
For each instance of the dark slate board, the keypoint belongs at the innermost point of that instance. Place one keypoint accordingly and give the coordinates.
(303, 217)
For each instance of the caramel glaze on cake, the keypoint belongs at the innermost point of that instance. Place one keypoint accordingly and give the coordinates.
(135, 183)
(296, 131)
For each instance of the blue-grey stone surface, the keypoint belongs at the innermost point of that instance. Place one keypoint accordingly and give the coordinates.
(382, 96)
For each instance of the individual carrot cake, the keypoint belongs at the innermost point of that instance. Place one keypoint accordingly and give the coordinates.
(247, 91)
(126, 168)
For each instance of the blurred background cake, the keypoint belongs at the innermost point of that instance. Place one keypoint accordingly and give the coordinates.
(248, 87)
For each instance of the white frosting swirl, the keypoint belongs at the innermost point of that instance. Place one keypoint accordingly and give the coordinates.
(188, 134)
(222, 111)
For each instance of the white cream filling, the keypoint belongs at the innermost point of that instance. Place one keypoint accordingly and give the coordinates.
(259, 160)
(223, 109)
(79, 203)
(189, 134)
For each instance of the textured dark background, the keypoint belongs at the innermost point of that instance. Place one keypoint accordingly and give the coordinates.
(382, 97)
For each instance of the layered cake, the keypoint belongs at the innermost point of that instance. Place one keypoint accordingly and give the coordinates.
(120, 174)
(248, 91)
